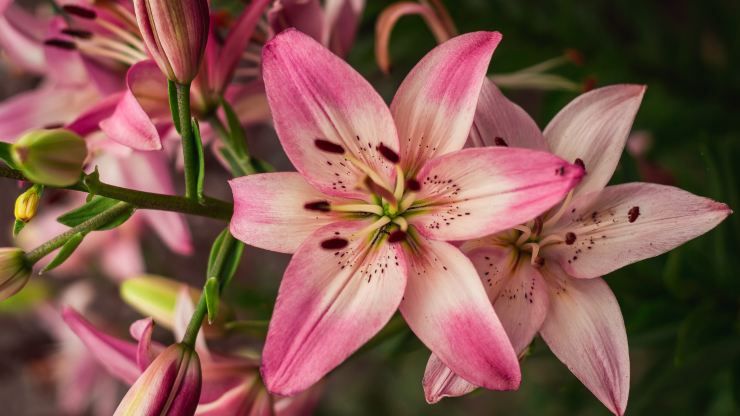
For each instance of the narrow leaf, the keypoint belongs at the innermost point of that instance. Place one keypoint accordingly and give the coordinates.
(211, 292)
(226, 254)
(67, 249)
(18, 227)
(172, 94)
(236, 131)
(201, 161)
(96, 206)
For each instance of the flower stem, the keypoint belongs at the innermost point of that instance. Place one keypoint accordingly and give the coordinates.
(191, 333)
(189, 149)
(92, 224)
(241, 163)
(211, 208)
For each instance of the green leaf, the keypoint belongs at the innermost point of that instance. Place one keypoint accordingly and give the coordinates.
(226, 254)
(18, 227)
(67, 249)
(5, 155)
(234, 163)
(236, 132)
(211, 292)
(201, 161)
(96, 206)
(174, 109)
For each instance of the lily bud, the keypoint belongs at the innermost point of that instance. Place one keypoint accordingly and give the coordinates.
(50, 157)
(175, 33)
(169, 386)
(14, 271)
(27, 204)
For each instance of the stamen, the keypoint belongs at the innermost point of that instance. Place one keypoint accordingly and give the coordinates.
(560, 212)
(570, 238)
(398, 193)
(537, 226)
(61, 44)
(407, 201)
(328, 146)
(401, 221)
(369, 208)
(253, 57)
(374, 226)
(550, 239)
(499, 141)
(322, 206)
(379, 190)
(334, 243)
(388, 153)
(526, 233)
(247, 72)
(77, 33)
(397, 236)
(125, 35)
(373, 177)
(535, 248)
(79, 11)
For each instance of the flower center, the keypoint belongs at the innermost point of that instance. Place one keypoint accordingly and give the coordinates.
(535, 236)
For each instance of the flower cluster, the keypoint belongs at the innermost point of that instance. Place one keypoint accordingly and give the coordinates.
(449, 205)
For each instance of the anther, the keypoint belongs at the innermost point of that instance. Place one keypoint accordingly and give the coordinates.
(499, 141)
(77, 33)
(379, 190)
(334, 243)
(538, 262)
(322, 206)
(570, 238)
(633, 213)
(61, 44)
(413, 185)
(79, 11)
(388, 153)
(579, 162)
(396, 236)
(328, 146)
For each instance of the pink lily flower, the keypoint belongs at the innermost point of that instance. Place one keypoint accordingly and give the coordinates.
(378, 193)
(230, 384)
(543, 276)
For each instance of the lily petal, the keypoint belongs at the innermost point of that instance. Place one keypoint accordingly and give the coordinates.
(88, 122)
(594, 128)
(304, 15)
(342, 19)
(446, 306)
(117, 356)
(500, 122)
(141, 331)
(475, 192)
(145, 100)
(440, 382)
(585, 330)
(630, 222)
(331, 301)
(435, 104)
(314, 95)
(270, 211)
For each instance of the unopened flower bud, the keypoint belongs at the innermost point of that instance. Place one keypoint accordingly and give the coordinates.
(169, 386)
(175, 33)
(50, 157)
(14, 271)
(27, 204)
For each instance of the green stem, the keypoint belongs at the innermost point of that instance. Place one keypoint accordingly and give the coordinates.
(92, 224)
(211, 208)
(191, 333)
(244, 165)
(189, 154)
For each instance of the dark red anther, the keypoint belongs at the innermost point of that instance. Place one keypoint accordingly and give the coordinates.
(334, 243)
(388, 153)
(499, 141)
(413, 185)
(570, 238)
(78, 33)
(79, 11)
(61, 44)
(579, 162)
(397, 236)
(322, 206)
(633, 213)
(328, 146)
(539, 262)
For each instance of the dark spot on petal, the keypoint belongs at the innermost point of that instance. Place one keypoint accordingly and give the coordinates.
(328, 146)
(334, 243)
(322, 206)
(396, 236)
(79, 11)
(633, 213)
(570, 238)
(560, 171)
(388, 153)
(499, 141)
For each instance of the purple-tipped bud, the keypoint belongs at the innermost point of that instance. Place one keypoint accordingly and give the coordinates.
(169, 386)
(14, 271)
(175, 33)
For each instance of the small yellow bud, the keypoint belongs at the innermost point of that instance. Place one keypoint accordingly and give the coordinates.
(27, 204)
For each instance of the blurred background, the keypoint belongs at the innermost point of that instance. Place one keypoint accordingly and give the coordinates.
(682, 309)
